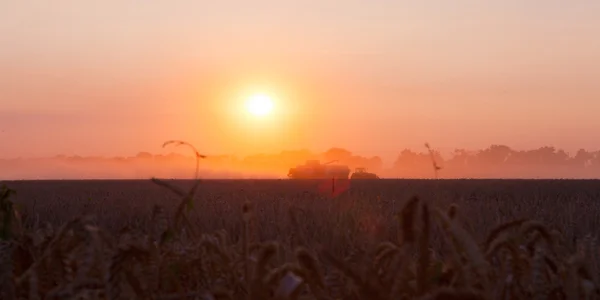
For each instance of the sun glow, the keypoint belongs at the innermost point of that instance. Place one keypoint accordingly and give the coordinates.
(259, 105)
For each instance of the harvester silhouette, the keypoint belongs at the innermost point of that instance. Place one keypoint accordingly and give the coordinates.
(333, 178)
(313, 169)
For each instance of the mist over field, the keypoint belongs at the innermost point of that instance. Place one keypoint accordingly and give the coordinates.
(497, 161)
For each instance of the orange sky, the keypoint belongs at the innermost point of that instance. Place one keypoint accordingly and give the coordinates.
(118, 77)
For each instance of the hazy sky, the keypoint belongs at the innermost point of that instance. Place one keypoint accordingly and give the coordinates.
(118, 77)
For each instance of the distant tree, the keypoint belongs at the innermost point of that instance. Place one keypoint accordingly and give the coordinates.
(594, 161)
(375, 163)
(518, 158)
(561, 157)
(411, 160)
(581, 158)
(337, 154)
(494, 155)
(460, 158)
(546, 154)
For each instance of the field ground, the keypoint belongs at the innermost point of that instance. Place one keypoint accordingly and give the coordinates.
(570, 206)
(374, 241)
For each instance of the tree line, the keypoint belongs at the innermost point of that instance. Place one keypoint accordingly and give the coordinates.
(495, 161)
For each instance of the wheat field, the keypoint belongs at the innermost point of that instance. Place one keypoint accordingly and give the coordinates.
(281, 239)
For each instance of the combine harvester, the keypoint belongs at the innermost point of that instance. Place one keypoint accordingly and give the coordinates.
(333, 179)
(313, 169)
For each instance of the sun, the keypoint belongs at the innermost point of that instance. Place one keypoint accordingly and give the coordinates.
(259, 105)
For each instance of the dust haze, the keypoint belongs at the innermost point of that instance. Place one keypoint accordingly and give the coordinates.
(496, 161)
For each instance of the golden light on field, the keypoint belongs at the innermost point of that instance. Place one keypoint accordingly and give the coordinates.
(259, 105)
